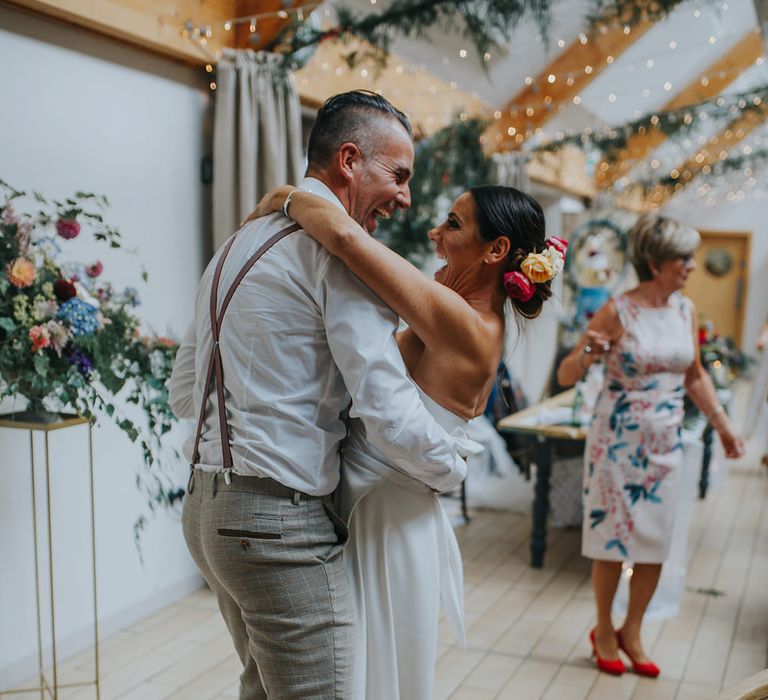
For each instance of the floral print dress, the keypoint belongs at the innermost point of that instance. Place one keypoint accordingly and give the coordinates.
(634, 452)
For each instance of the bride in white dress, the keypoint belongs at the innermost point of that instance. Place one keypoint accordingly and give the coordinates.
(403, 557)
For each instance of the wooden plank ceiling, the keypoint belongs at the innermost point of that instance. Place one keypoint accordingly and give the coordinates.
(710, 83)
(716, 149)
(559, 83)
(158, 25)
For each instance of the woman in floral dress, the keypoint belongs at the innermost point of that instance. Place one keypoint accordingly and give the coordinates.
(647, 338)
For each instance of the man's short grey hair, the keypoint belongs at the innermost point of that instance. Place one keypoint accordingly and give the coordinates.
(655, 238)
(355, 117)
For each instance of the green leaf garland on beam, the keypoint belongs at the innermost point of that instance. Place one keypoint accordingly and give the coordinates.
(675, 123)
(482, 22)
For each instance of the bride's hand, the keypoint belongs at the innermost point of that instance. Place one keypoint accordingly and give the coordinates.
(270, 203)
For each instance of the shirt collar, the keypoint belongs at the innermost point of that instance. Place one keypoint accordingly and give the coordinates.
(318, 187)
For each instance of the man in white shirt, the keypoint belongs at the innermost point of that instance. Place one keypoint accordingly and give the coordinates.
(301, 338)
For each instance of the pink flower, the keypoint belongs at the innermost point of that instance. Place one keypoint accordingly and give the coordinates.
(40, 337)
(94, 270)
(8, 214)
(67, 228)
(20, 272)
(518, 286)
(558, 244)
(59, 335)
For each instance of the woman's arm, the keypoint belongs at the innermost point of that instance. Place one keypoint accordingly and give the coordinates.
(701, 390)
(604, 328)
(432, 310)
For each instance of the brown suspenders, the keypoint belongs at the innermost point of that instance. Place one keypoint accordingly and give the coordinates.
(215, 367)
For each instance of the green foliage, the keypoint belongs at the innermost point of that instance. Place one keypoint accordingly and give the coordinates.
(48, 353)
(676, 124)
(482, 22)
(446, 164)
(628, 12)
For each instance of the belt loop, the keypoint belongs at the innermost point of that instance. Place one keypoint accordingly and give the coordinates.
(191, 482)
(214, 484)
(296, 497)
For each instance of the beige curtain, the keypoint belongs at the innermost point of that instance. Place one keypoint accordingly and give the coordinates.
(257, 142)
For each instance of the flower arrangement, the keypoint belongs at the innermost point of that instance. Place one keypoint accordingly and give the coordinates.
(722, 359)
(720, 356)
(68, 338)
(536, 268)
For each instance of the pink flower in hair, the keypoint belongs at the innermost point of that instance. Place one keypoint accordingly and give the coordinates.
(518, 286)
(558, 244)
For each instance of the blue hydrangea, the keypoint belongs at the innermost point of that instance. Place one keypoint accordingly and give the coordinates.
(80, 317)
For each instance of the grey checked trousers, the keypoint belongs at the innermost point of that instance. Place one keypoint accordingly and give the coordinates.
(273, 559)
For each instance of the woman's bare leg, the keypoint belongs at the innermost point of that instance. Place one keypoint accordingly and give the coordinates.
(642, 585)
(605, 580)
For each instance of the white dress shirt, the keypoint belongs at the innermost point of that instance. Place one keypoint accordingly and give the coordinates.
(301, 338)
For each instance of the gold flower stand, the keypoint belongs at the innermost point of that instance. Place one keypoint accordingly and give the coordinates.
(51, 687)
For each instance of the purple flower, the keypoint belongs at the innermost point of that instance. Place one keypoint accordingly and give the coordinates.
(80, 360)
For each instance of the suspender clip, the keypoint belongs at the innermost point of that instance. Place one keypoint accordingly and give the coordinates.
(228, 476)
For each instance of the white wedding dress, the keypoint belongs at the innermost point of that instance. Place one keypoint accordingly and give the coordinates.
(403, 561)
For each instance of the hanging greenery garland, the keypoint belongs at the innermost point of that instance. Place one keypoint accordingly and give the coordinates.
(445, 165)
(745, 164)
(676, 123)
(483, 22)
(627, 12)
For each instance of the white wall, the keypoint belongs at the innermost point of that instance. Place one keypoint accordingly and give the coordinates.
(80, 112)
(750, 215)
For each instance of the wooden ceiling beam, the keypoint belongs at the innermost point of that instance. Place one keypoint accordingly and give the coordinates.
(268, 28)
(562, 80)
(429, 102)
(153, 24)
(715, 150)
(711, 82)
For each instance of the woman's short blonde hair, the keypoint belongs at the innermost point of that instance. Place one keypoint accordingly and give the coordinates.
(655, 238)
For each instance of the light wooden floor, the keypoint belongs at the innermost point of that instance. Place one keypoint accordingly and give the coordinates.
(527, 628)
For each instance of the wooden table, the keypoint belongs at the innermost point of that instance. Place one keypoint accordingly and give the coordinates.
(545, 440)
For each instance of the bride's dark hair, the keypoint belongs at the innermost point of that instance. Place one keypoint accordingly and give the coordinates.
(505, 211)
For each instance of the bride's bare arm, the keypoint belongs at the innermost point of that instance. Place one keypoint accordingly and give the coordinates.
(434, 312)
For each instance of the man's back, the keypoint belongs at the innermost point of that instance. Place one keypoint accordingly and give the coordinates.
(285, 396)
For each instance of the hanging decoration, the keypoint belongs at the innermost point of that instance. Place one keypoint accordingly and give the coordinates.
(446, 164)
(627, 12)
(740, 164)
(612, 141)
(482, 22)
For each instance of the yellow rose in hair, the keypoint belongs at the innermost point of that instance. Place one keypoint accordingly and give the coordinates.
(537, 267)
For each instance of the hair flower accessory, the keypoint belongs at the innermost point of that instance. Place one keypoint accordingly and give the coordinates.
(518, 286)
(555, 258)
(537, 267)
(558, 244)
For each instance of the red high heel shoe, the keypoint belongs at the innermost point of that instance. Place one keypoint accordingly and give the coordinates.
(613, 666)
(647, 668)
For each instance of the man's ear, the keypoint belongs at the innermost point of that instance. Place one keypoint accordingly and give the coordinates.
(348, 157)
(499, 250)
